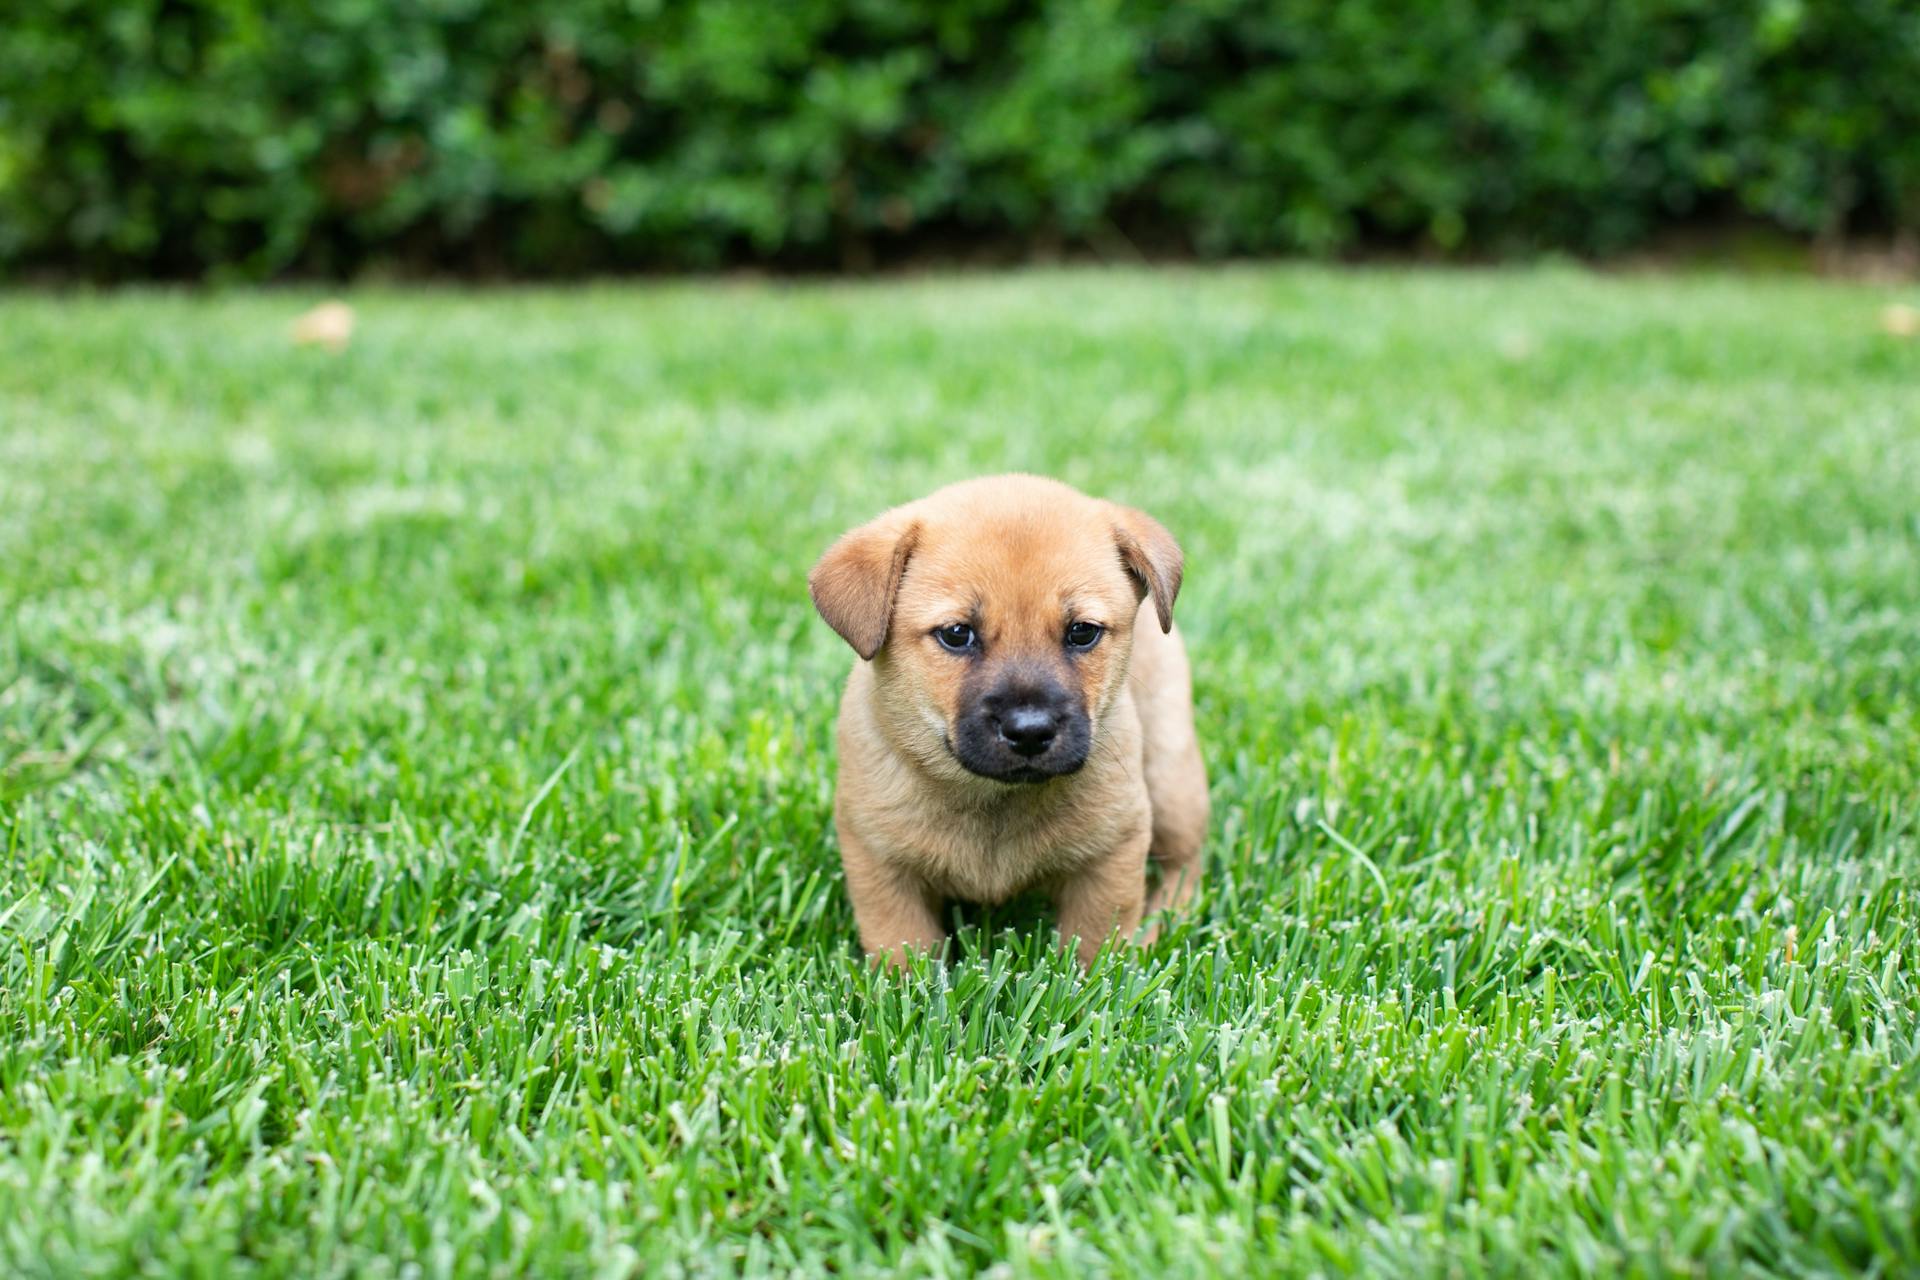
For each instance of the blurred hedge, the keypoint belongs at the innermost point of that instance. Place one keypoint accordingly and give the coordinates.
(187, 136)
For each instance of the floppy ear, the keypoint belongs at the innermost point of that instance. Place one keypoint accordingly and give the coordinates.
(1152, 557)
(854, 584)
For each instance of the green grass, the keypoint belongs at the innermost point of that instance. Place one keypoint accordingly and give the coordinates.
(415, 777)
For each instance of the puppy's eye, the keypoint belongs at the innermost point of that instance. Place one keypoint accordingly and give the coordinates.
(1084, 635)
(957, 637)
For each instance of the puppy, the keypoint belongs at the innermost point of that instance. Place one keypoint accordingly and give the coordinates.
(1021, 716)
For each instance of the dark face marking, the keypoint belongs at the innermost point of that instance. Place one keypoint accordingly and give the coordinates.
(1021, 719)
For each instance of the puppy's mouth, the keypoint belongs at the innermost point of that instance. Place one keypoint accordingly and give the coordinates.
(1019, 774)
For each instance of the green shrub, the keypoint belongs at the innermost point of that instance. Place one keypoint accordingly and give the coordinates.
(180, 137)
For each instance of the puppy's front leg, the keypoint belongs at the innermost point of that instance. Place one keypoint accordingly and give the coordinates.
(1103, 899)
(896, 915)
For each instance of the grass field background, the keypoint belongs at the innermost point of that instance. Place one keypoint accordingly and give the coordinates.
(415, 777)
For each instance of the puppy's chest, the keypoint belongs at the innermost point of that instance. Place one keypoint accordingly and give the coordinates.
(992, 855)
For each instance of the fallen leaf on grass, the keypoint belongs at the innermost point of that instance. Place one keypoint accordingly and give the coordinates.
(328, 325)
(1900, 320)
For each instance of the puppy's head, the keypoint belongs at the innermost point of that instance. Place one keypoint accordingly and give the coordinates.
(998, 615)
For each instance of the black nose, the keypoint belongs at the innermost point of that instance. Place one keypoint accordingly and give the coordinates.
(1028, 731)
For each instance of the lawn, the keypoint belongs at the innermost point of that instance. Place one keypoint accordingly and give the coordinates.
(415, 771)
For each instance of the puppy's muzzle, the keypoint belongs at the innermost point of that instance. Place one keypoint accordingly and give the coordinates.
(1023, 732)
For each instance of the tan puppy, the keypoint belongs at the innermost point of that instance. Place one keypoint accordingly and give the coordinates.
(1020, 719)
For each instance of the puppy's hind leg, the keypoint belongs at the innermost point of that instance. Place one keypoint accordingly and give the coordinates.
(1175, 775)
(1180, 861)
